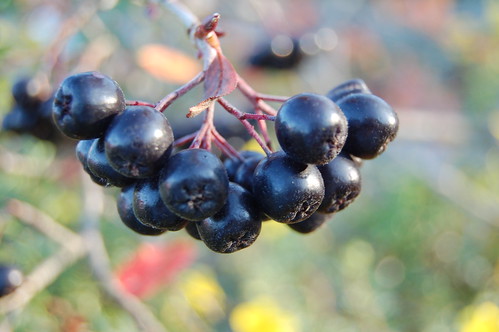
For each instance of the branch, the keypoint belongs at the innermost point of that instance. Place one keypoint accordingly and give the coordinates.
(99, 260)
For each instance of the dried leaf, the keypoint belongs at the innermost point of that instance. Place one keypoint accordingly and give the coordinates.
(220, 80)
(168, 64)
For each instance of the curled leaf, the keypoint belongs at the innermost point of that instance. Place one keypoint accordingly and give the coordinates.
(220, 80)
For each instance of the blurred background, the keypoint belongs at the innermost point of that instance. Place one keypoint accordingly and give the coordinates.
(417, 251)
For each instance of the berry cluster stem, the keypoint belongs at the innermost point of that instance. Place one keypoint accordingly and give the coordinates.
(163, 104)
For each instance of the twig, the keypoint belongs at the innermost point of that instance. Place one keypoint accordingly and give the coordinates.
(44, 274)
(251, 130)
(174, 95)
(99, 260)
(39, 220)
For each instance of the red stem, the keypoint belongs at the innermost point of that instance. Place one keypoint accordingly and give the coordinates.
(185, 139)
(225, 146)
(251, 130)
(139, 103)
(163, 104)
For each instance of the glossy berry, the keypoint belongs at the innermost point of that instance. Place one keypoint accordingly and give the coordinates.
(86, 103)
(194, 184)
(150, 209)
(138, 141)
(232, 164)
(236, 226)
(10, 278)
(99, 166)
(244, 173)
(349, 87)
(127, 216)
(82, 150)
(311, 128)
(342, 184)
(372, 124)
(287, 191)
(312, 223)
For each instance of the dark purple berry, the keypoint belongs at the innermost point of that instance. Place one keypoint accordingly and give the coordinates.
(82, 149)
(236, 226)
(138, 141)
(10, 278)
(194, 184)
(311, 128)
(311, 223)
(372, 124)
(150, 209)
(355, 85)
(244, 173)
(287, 191)
(86, 103)
(232, 164)
(342, 184)
(99, 166)
(192, 229)
(125, 211)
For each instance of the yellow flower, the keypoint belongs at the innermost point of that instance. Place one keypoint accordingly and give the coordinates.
(204, 294)
(482, 318)
(261, 315)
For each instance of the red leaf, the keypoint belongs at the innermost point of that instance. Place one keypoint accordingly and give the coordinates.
(153, 266)
(220, 80)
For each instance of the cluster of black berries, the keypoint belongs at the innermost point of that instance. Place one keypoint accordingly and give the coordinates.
(31, 111)
(223, 204)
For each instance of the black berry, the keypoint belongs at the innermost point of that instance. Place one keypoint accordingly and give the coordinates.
(311, 128)
(312, 223)
(99, 166)
(372, 124)
(86, 103)
(236, 226)
(127, 216)
(355, 85)
(10, 278)
(194, 184)
(287, 191)
(150, 209)
(138, 141)
(342, 184)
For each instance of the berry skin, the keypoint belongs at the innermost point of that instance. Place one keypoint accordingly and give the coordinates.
(232, 164)
(138, 141)
(85, 104)
(194, 184)
(244, 174)
(150, 209)
(236, 226)
(311, 128)
(192, 229)
(98, 165)
(82, 149)
(372, 124)
(311, 224)
(342, 184)
(349, 87)
(287, 191)
(125, 211)
(10, 279)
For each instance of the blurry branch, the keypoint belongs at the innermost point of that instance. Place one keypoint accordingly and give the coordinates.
(73, 247)
(44, 274)
(99, 260)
